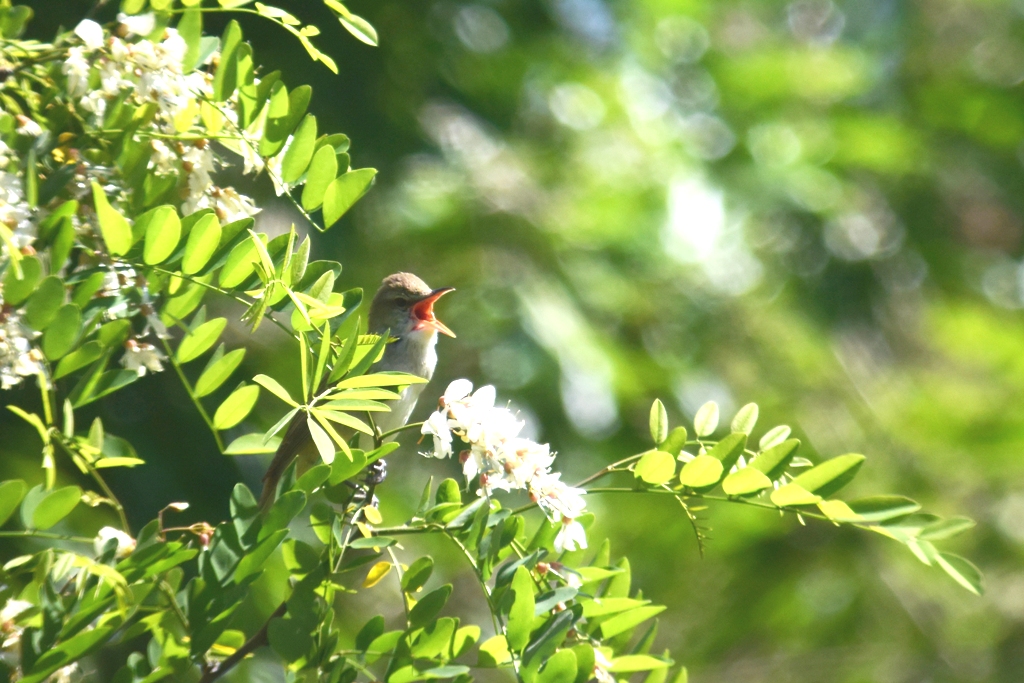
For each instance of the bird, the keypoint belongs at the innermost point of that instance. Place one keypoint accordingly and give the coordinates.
(403, 308)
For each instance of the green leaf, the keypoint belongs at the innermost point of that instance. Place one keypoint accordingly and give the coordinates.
(43, 509)
(494, 652)
(203, 240)
(631, 663)
(701, 472)
(62, 333)
(658, 422)
(217, 372)
(253, 560)
(429, 605)
(962, 571)
(224, 80)
(746, 419)
(729, 449)
(380, 379)
(705, 422)
(116, 231)
(417, 574)
(370, 631)
(464, 639)
(434, 639)
(448, 492)
(942, 529)
(322, 171)
(162, 229)
(656, 467)
(252, 444)
(11, 493)
(288, 638)
(17, 289)
(89, 352)
(274, 387)
(560, 668)
(191, 30)
(675, 441)
(235, 407)
(43, 304)
(240, 264)
(323, 442)
(360, 28)
(831, 475)
(300, 151)
(627, 620)
(774, 436)
(773, 461)
(345, 191)
(745, 482)
(520, 615)
(793, 494)
(883, 508)
(198, 341)
(343, 469)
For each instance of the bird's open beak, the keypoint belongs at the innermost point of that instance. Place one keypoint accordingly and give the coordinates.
(423, 311)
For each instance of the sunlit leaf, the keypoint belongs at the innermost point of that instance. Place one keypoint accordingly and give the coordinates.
(344, 192)
(235, 407)
(656, 467)
(198, 341)
(116, 231)
(701, 472)
(705, 422)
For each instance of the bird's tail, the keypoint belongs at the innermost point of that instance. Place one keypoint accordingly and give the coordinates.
(293, 441)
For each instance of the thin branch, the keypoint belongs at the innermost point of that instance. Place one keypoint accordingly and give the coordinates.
(46, 535)
(257, 641)
(191, 394)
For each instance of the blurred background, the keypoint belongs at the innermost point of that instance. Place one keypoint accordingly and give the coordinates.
(813, 205)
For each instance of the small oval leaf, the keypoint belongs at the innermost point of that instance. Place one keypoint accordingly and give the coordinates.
(236, 406)
(701, 472)
(705, 422)
(203, 240)
(345, 191)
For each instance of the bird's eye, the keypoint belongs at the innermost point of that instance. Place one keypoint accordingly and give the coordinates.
(402, 301)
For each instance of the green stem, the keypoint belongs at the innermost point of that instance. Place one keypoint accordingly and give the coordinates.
(46, 535)
(401, 591)
(217, 289)
(396, 430)
(192, 395)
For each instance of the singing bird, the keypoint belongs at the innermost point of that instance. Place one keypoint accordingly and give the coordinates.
(404, 308)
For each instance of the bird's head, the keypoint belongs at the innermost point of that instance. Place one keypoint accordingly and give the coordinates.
(404, 304)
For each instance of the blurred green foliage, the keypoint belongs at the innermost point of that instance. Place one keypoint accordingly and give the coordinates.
(811, 205)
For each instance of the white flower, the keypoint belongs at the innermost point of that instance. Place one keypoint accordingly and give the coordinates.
(231, 206)
(139, 24)
(601, 666)
(456, 391)
(141, 357)
(571, 536)
(76, 68)
(91, 33)
(437, 427)
(524, 460)
(163, 159)
(18, 359)
(556, 498)
(125, 543)
(10, 633)
(27, 126)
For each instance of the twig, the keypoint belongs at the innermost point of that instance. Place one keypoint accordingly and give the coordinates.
(257, 641)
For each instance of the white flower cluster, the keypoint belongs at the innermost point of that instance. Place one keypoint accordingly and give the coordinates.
(502, 459)
(15, 213)
(152, 72)
(18, 358)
